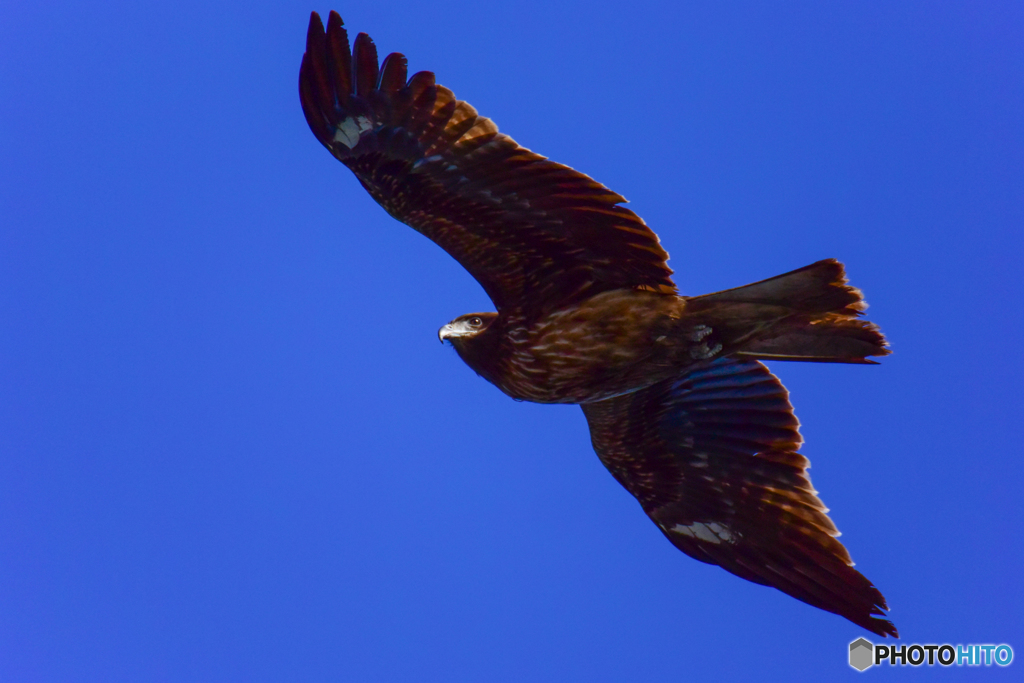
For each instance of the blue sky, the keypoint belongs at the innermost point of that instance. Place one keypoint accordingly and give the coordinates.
(231, 447)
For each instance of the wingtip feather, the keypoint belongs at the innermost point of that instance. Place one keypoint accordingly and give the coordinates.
(339, 54)
(364, 59)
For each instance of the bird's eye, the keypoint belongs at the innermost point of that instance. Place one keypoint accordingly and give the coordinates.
(475, 322)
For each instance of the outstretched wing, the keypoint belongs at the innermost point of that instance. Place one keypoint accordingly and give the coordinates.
(711, 457)
(535, 234)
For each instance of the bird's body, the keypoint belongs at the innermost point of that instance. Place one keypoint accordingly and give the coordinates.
(610, 344)
(680, 409)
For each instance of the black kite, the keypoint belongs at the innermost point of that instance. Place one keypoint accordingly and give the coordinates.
(681, 411)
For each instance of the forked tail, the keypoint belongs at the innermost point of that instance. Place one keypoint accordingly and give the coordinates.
(810, 314)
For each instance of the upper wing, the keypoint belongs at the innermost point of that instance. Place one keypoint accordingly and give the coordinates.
(534, 233)
(711, 456)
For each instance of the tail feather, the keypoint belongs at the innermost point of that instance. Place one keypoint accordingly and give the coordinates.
(829, 340)
(821, 287)
(810, 314)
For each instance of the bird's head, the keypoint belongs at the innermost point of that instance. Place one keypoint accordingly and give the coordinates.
(466, 327)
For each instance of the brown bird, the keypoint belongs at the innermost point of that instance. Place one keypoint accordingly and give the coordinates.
(681, 411)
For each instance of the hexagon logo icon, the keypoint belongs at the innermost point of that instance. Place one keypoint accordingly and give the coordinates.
(862, 654)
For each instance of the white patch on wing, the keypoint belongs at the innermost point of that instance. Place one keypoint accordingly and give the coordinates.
(426, 160)
(712, 533)
(348, 132)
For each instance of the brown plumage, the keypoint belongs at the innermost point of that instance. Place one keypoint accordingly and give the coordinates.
(680, 409)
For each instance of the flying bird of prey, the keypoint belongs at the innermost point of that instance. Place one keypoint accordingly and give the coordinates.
(681, 410)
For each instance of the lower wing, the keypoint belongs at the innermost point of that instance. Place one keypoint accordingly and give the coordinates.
(711, 456)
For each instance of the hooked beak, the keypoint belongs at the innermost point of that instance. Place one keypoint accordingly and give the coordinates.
(445, 332)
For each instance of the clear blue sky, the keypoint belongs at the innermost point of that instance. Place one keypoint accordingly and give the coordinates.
(231, 448)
